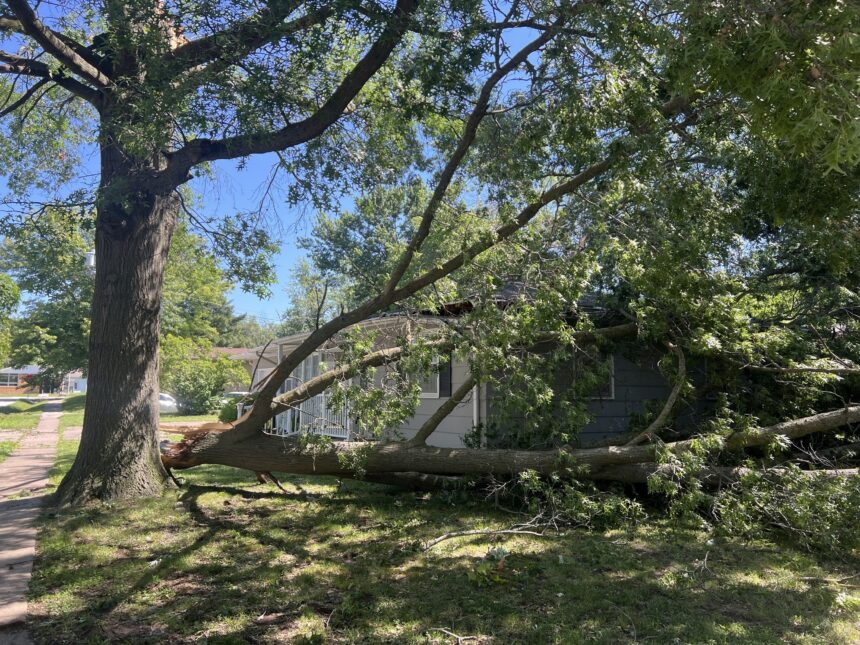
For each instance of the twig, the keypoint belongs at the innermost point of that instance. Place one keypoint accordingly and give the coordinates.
(459, 638)
(455, 534)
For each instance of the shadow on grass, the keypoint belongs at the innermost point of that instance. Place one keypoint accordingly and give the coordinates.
(74, 403)
(227, 560)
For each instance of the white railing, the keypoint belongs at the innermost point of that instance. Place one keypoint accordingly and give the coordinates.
(314, 416)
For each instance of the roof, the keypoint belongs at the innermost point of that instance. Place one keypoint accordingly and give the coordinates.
(502, 297)
(26, 369)
(228, 351)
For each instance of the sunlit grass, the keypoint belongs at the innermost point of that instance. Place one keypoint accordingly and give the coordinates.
(227, 560)
(73, 411)
(6, 448)
(21, 415)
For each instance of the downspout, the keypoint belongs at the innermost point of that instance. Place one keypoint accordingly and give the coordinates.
(476, 411)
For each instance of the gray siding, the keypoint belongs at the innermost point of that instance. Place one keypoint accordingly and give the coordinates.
(635, 385)
(450, 432)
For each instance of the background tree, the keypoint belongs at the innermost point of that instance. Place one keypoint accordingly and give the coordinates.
(48, 264)
(9, 295)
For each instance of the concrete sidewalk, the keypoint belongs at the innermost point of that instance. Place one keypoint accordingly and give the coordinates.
(24, 475)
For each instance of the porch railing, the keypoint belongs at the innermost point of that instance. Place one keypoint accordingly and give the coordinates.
(313, 415)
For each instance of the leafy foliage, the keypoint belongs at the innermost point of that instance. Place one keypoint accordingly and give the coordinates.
(814, 513)
(9, 296)
(195, 377)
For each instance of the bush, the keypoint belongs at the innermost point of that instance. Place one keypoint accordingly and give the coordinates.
(229, 411)
(194, 377)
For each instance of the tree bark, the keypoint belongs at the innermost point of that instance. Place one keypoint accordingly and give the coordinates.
(256, 451)
(119, 455)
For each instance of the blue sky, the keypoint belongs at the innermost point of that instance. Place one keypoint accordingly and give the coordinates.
(237, 188)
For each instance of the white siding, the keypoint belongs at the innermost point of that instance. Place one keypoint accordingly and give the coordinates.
(450, 432)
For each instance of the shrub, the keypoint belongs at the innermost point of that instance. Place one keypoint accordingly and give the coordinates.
(229, 411)
(194, 377)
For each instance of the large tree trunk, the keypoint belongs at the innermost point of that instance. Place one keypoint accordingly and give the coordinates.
(119, 456)
(252, 450)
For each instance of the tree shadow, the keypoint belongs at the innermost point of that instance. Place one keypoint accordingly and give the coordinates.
(349, 562)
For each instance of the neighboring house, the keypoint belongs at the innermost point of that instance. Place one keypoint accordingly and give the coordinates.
(73, 383)
(19, 380)
(629, 387)
(24, 380)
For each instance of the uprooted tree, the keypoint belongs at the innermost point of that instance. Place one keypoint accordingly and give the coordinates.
(657, 152)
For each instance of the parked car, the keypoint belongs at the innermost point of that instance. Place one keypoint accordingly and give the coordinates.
(167, 404)
(233, 396)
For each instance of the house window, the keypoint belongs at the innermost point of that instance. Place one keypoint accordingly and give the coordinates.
(9, 380)
(605, 366)
(430, 385)
(606, 390)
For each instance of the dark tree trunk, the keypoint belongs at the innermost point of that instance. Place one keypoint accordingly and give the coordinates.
(118, 456)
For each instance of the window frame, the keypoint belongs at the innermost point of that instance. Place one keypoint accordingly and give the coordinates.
(610, 359)
(10, 379)
(611, 396)
(434, 373)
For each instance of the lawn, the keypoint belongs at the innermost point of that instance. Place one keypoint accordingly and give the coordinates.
(21, 415)
(73, 414)
(225, 560)
(73, 411)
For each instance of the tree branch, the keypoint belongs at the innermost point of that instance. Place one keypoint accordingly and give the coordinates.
(503, 232)
(244, 37)
(56, 46)
(320, 383)
(802, 369)
(11, 23)
(26, 96)
(201, 150)
(260, 452)
(13, 64)
(442, 412)
(650, 432)
(456, 158)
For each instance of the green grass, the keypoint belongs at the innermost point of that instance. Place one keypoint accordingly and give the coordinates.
(189, 418)
(225, 560)
(21, 415)
(73, 414)
(73, 411)
(6, 448)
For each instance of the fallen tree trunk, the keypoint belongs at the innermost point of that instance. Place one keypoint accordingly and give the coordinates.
(260, 452)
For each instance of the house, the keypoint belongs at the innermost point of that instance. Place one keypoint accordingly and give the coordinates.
(631, 382)
(21, 381)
